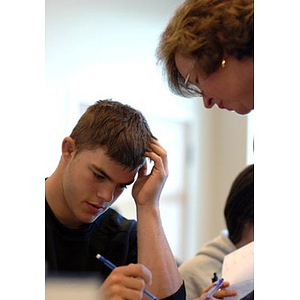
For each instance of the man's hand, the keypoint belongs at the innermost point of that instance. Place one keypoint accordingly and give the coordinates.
(147, 188)
(126, 282)
(153, 248)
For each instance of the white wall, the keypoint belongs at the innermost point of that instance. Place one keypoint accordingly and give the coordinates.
(99, 49)
(223, 154)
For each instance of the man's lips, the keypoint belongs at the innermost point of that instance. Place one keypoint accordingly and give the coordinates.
(95, 208)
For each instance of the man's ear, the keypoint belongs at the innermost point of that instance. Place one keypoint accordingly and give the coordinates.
(68, 148)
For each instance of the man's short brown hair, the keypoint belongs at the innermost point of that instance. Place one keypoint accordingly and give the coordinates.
(116, 127)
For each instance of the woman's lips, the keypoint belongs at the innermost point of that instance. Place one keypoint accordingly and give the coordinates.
(220, 104)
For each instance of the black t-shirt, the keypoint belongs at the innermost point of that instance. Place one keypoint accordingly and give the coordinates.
(74, 250)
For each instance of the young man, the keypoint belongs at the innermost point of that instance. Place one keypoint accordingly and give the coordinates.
(106, 152)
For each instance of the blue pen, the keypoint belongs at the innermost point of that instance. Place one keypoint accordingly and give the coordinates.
(214, 289)
(112, 266)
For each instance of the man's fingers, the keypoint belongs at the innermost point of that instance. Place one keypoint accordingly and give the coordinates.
(143, 170)
(135, 270)
(159, 150)
(159, 163)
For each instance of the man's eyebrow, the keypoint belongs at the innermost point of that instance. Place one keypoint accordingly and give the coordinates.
(99, 170)
(103, 173)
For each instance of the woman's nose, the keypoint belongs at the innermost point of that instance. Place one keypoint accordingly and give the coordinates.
(209, 102)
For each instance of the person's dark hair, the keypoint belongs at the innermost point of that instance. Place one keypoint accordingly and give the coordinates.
(239, 208)
(121, 130)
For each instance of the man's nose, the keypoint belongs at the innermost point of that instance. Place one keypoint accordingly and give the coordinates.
(106, 194)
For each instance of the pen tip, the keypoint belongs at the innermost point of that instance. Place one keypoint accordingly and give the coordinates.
(98, 256)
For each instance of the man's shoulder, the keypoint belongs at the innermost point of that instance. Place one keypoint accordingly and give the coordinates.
(113, 233)
(112, 221)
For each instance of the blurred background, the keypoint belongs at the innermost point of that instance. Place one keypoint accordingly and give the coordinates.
(98, 49)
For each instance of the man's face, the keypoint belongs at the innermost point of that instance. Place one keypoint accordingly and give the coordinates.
(92, 182)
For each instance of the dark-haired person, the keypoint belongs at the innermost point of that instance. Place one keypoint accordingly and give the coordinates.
(106, 152)
(207, 49)
(198, 271)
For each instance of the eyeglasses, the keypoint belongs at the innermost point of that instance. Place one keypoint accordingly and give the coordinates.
(223, 65)
(189, 74)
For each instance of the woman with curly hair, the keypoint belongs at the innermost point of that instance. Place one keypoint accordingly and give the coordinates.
(207, 49)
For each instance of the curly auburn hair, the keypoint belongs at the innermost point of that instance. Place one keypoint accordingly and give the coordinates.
(207, 30)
